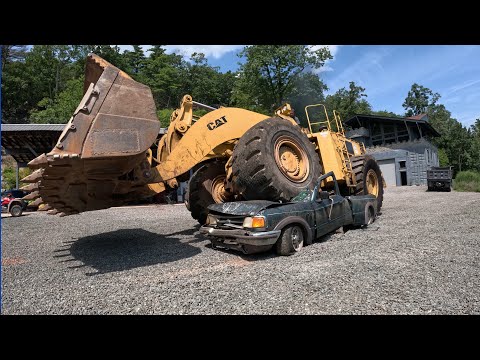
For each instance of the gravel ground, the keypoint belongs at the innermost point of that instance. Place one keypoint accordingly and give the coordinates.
(421, 256)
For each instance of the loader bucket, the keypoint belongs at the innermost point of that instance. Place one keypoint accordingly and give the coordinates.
(106, 138)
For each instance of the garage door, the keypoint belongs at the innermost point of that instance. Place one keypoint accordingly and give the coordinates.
(388, 171)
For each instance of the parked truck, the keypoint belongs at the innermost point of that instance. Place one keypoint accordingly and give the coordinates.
(108, 153)
(439, 178)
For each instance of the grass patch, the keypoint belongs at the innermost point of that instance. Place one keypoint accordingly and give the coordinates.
(467, 181)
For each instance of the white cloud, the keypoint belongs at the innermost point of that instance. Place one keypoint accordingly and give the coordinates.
(324, 68)
(215, 51)
(462, 86)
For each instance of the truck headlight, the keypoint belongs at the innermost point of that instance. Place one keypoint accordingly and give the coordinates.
(211, 220)
(254, 222)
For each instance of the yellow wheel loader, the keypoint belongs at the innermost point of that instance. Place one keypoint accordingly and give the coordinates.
(108, 153)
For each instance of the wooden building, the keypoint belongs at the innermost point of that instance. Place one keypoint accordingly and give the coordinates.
(401, 146)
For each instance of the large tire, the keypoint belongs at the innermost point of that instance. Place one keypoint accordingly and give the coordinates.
(365, 167)
(199, 191)
(291, 241)
(274, 161)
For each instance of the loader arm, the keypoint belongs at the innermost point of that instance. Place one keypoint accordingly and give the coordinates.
(213, 135)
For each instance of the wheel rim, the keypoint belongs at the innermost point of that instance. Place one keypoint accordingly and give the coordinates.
(16, 211)
(219, 194)
(297, 238)
(291, 159)
(372, 182)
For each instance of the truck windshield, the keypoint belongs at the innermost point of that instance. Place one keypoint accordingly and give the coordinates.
(304, 196)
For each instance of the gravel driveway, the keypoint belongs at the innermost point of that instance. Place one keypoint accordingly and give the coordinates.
(422, 256)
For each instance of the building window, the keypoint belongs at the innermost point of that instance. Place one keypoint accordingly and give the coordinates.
(403, 164)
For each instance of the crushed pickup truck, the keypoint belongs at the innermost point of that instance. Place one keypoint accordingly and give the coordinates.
(258, 225)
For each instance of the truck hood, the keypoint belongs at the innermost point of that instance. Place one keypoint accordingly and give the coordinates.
(244, 208)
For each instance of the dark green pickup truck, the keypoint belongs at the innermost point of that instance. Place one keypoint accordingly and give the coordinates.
(258, 225)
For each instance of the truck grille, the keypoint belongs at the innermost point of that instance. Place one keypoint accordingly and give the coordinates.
(223, 221)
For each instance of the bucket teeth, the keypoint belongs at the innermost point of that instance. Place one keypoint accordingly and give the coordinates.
(30, 187)
(38, 162)
(36, 202)
(52, 212)
(33, 177)
(31, 196)
(62, 214)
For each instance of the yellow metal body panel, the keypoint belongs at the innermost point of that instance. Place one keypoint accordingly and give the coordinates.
(330, 145)
(329, 156)
(213, 135)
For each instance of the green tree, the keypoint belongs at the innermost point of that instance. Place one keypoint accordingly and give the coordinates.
(307, 90)
(207, 84)
(16, 92)
(475, 146)
(349, 102)
(385, 113)
(165, 75)
(112, 54)
(269, 73)
(456, 140)
(61, 108)
(418, 100)
(443, 157)
(12, 53)
(135, 59)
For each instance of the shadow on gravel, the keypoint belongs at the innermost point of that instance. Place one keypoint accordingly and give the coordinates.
(125, 249)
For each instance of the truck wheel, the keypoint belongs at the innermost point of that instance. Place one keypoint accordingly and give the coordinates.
(291, 241)
(16, 210)
(274, 161)
(369, 177)
(206, 188)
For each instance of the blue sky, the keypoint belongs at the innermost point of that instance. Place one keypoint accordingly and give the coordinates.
(387, 72)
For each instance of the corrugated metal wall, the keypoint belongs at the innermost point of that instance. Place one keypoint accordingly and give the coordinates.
(420, 163)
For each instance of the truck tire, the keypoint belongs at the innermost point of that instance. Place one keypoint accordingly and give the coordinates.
(203, 188)
(366, 167)
(16, 210)
(291, 241)
(274, 161)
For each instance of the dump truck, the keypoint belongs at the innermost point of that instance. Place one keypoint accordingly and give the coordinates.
(108, 153)
(439, 178)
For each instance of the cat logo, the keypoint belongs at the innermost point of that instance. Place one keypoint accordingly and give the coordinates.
(215, 124)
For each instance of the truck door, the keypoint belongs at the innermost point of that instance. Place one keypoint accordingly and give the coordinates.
(329, 214)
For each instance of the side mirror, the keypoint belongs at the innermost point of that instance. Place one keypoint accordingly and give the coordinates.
(323, 195)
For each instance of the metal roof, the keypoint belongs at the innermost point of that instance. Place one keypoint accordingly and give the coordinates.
(26, 141)
(32, 127)
(417, 117)
(352, 121)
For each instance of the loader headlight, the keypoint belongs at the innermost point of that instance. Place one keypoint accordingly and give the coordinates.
(211, 220)
(254, 222)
